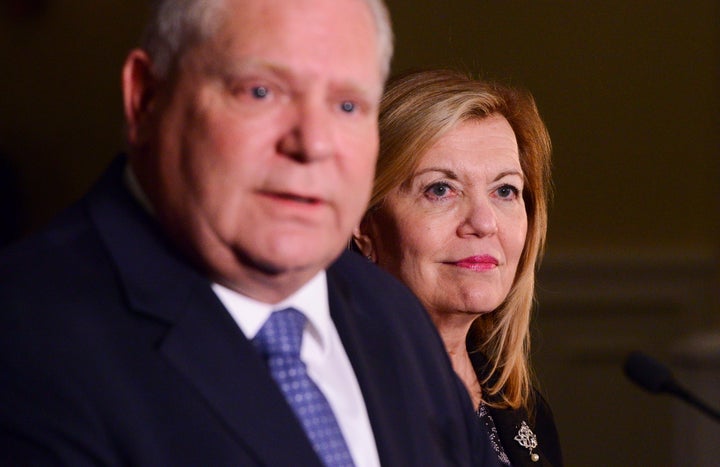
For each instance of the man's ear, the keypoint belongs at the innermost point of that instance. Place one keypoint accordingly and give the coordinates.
(363, 241)
(140, 89)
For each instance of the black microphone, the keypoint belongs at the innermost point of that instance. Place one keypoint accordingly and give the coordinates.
(655, 377)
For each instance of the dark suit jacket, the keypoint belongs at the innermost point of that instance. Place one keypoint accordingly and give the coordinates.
(508, 423)
(115, 351)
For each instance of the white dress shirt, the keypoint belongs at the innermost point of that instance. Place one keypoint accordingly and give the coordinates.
(324, 355)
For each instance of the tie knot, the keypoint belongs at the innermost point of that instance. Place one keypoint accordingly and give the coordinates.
(281, 334)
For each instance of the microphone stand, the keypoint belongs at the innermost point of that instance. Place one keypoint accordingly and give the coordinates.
(693, 400)
(655, 377)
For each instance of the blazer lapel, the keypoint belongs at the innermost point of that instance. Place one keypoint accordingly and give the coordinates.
(202, 342)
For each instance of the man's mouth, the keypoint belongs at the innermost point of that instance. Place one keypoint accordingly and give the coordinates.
(310, 200)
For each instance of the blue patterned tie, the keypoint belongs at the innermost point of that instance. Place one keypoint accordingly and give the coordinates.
(279, 342)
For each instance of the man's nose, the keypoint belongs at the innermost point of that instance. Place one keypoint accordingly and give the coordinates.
(310, 137)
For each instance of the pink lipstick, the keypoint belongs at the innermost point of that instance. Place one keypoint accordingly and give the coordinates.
(478, 263)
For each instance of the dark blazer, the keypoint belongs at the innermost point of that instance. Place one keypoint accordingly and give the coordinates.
(115, 351)
(509, 421)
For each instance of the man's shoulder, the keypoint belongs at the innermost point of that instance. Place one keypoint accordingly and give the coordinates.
(368, 291)
(56, 244)
(68, 239)
(366, 281)
(352, 266)
(52, 264)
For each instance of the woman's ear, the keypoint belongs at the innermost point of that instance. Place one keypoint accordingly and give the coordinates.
(363, 242)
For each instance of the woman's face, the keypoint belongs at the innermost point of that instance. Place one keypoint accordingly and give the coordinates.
(454, 233)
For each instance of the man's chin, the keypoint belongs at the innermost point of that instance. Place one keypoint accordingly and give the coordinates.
(290, 264)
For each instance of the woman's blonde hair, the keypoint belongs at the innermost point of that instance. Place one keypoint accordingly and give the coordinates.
(416, 110)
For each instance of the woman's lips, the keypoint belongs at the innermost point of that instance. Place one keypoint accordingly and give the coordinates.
(478, 263)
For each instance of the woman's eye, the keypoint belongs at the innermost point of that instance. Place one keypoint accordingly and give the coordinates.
(348, 106)
(507, 192)
(438, 190)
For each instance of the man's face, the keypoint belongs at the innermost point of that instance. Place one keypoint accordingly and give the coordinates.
(264, 142)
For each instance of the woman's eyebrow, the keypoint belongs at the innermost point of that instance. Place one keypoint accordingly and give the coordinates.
(510, 172)
(447, 172)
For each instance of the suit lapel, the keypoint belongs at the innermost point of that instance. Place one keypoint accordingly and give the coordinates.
(202, 342)
(365, 340)
(212, 353)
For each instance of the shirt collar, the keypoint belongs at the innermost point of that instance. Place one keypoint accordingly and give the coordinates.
(311, 299)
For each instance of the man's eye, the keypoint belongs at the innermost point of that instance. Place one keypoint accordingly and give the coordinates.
(259, 92)
(347, 106)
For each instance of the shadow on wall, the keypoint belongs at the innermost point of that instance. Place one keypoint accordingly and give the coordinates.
(11, 209)
(23, 9)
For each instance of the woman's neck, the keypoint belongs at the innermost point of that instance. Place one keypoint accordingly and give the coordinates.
(454, 335)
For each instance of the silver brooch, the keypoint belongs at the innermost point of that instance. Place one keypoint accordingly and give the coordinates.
(527, 439)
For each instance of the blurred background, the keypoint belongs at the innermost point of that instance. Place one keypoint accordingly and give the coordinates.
(630, 91)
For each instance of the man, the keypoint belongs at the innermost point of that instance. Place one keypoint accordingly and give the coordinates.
(132, 329)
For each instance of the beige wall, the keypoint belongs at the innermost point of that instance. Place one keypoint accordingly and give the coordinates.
(631, 94)
(630, 91)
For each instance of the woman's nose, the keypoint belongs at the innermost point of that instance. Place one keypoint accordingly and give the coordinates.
(479, 219)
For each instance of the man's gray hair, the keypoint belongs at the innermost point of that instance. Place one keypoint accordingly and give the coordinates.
(176, 25)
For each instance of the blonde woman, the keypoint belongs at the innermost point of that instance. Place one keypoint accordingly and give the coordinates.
(459, 213)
